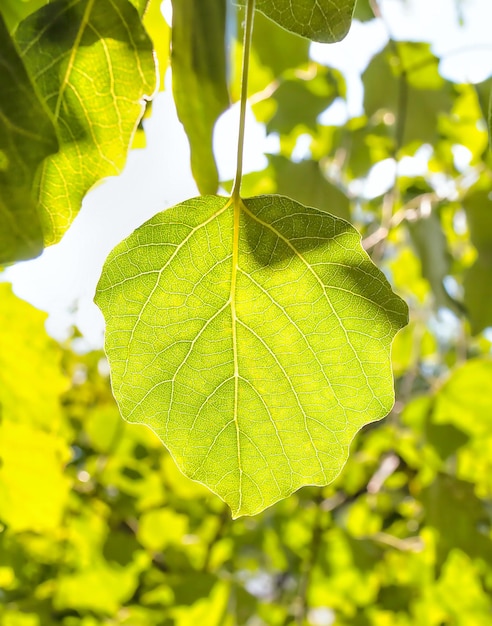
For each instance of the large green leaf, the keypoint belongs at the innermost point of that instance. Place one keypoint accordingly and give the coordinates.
(198, 62)
(253, 337)
(27, 136)
(92, 62)
(319, 20)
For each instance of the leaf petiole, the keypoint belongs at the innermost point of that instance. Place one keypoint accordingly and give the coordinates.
(248, 33)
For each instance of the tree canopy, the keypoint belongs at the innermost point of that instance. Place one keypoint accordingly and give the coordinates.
(324, 461)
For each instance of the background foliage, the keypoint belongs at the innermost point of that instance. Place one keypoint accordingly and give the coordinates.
(97, 524)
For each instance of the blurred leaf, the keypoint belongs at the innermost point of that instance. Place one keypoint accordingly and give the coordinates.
(363, 11)
(462, 401)
(478, 278)
(27, 137)
(161, 528)
(276, 48)
(92, 63)
(199, 390)
(451, 499)
(31, 381)
(299, 102)
(459, 592)
(414, 92)
(305, 182)
(160, 33)
(33, 489)
(14, 11)
(102, 588)
(198, 62)
(430, 243)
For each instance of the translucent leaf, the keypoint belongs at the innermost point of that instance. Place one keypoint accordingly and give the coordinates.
(427, 96)
(33, 488)
(319, 20)
(27, 136)
(92, 62)
(253, 338)
(198, 62)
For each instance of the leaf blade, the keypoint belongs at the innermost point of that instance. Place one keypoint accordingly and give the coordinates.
(27, 137)
(199, 80)
(246, 401)
(92, 62)
(319, 20)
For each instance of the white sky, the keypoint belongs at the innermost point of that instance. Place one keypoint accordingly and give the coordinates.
(62, 281)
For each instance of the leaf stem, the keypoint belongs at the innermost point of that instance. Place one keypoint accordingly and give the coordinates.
(248, 33)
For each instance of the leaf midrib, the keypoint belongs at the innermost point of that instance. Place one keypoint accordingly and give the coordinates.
(73, 54)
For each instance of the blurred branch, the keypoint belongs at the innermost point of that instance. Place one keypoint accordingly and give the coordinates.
(416, 208)
(392, 196)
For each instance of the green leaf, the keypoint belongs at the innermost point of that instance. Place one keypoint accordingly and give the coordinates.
(92, 62)
(305, 182)
(276, 48)
(299, 102)
(33, 487)
(478, 278)
(319, 20)
(27, 136)
(253, 337)
(413, 91)
(14, 11)
(430, 243)
(363, 11)
(199, 80)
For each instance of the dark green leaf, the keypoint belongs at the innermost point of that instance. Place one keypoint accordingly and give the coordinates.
(299, 102)
(199, 80)
(305, 182)
(477, 281)
(277, 48)
(406, 84)
(27, 137)
(430, 243)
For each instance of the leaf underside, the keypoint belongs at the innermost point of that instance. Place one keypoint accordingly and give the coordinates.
(92, 63)
(254, 338)
(319, 20)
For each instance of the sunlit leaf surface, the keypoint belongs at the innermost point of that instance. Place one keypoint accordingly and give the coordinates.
(92, 62)
(254, 338)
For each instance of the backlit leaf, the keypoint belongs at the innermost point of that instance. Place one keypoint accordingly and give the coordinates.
(198, 62)
(92, 62)
(27, 136)
(319, 20)
(253, 337)
(33, 452)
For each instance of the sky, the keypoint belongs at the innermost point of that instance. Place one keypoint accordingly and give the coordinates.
(63, 279)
